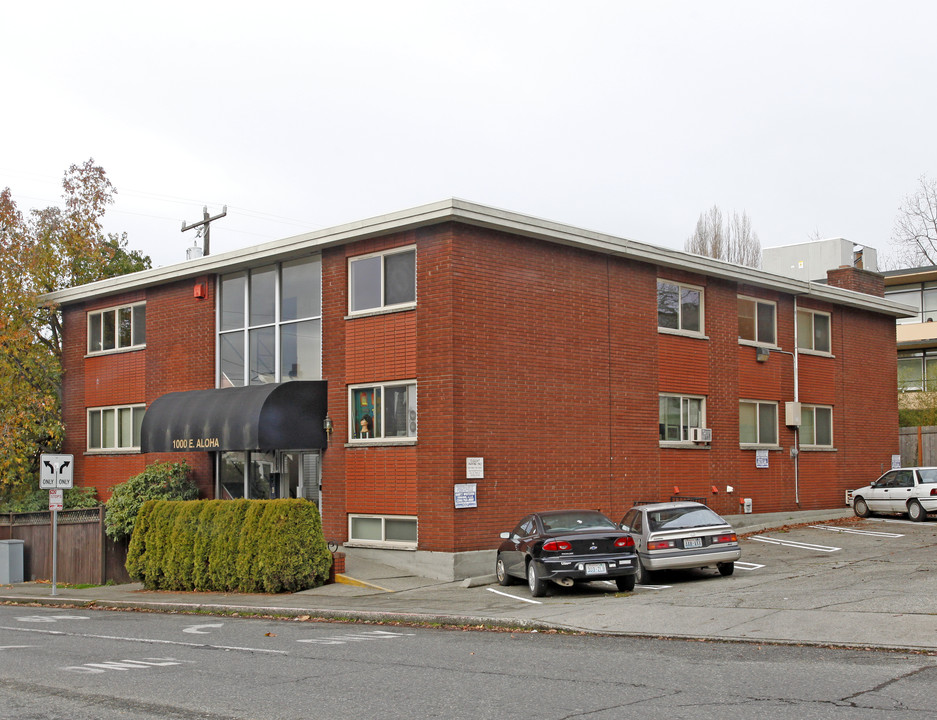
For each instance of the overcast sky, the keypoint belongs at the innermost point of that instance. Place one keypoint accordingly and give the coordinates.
(632, 118)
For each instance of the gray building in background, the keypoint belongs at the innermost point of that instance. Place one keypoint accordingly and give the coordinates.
(811, 260)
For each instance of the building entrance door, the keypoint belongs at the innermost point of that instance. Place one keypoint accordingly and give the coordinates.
(300, 475)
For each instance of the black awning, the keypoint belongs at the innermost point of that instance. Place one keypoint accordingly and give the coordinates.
(285, 416)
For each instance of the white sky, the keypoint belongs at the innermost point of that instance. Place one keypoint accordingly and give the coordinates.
(625, 117)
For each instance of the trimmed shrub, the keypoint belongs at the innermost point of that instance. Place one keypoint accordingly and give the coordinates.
(159, 481)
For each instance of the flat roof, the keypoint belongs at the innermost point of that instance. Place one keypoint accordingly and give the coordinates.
(455, 210)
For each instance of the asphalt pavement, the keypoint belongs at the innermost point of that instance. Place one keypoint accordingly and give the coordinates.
(740, 608)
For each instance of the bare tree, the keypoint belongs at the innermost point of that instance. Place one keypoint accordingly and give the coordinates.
(914, 236)
(732, 240)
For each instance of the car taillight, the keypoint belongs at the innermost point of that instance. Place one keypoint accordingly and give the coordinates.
(933, 492)
(661, 544)
(624, 542)
(731, 537)
(557, 545)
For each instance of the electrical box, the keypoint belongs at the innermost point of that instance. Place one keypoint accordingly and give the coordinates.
(792, 414)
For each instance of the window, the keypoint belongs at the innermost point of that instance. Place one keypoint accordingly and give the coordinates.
(383, 412)
(758, 423)
(917, 371)
(813, 331)
(816, 426)
(115, 428)
(270, 324)
(394, 530)
(382, 281)
(757, 321)
(678, 414)
(679, 307)
(118, 328)
(921, 296)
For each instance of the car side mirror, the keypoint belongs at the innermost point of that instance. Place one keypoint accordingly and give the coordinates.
(505, 535)
(874, 484)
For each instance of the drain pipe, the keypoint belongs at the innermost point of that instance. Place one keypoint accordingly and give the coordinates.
(795, 451)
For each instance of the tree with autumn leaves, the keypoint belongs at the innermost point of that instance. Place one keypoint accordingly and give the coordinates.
(42, 251)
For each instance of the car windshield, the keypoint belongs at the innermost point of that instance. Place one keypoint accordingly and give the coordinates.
(928, 475)
(682, 517)
(572, 521)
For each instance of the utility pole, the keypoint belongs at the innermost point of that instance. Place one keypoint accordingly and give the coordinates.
(206, 223)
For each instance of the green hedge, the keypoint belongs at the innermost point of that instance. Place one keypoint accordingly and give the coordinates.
(229, 546)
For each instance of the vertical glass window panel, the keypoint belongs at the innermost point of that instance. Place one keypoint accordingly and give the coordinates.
(693, 415)
(365, 528)
(690, 309)
(94, 430)
(125, 427)
(108, 429)
(109, 330)
(139, 324)
(263, 367)
(824, 426)
(231, 475)
(94, 333)
(263, 291)
(746, 319)
(301, 351)
(400, 277)
(766, 323)
(907, 295)
(366, 413)
(911, 373)
(670, 418)
(231, 349)
(807, 428)
(233, 288)
(804, 330)
(365, 283)
(397, 411)
(930, 373)
(399, 530)
(748, 423)
(821, 333)
(138, 414)
(124, 327)
(668, 310)
(930, 304)
(767, 424)
(262, 482)
(301, 289)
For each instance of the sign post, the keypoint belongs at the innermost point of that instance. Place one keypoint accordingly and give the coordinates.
(55, 474)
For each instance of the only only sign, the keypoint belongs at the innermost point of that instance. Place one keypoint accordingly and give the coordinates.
(56, 471)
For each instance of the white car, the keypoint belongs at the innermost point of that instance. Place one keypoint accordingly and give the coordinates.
(905, 490)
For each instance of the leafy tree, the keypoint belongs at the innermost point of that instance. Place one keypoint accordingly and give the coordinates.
(732, 240)
(47, 249)
(159, 481)
(914, 235)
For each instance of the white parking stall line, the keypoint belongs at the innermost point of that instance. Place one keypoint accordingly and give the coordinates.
(739, 565)
(652, 587)
(515, 597)
(893, 520)
(794, 544)
(854, 531)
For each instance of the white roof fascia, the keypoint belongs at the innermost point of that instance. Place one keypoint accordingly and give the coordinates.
(481, 216)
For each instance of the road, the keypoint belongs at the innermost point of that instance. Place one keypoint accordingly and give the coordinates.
(83, 664)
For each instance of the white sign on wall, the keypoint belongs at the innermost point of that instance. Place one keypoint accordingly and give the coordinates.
(895, 462)
(466, 495)
(474, 468)
(761, 458)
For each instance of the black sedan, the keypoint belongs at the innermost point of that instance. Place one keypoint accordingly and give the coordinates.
(566, 546)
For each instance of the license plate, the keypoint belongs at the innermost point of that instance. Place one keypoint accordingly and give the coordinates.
(595, 568)
(693, 543)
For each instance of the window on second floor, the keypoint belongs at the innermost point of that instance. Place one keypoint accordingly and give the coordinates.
(921, 296)
(679, 414)
(384, 411)
(381, 281)
(115, 428)
(758, 423)
(679, 307)
(813, 331)
(917, 371)
(816, 426)
(757, 321)
(117, 328)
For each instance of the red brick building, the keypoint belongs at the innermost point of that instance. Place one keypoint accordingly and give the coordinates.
(431, 375)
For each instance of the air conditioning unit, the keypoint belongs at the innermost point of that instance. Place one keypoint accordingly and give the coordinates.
(701, 435)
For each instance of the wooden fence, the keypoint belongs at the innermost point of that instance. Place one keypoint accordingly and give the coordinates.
(85, 555)
(918, 446)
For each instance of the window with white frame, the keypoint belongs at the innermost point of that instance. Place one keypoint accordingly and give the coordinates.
(115, 428)
(757, 322)
(117, 328)
(816, 426)
(679, 414)
(758, 422)
(813, 331)
(382, 281)
(270, 324)
(679, 307)
(388, 530)
(385, 411)
(917, 371)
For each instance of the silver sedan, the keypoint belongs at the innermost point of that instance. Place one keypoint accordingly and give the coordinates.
(680, 535)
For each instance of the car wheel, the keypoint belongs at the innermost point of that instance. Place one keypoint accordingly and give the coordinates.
(502, 572)
(625, 583)
(860, 507)
(916, 511)
(537, 585)
(642, 575)
(726, 569)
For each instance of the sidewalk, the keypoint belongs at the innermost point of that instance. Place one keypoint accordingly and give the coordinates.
(370, 591)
